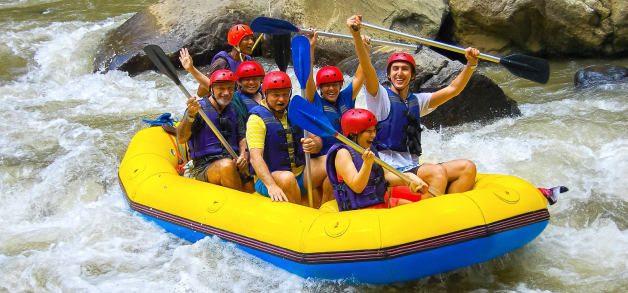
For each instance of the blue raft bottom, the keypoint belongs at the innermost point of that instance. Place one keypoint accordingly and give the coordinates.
(400, 269)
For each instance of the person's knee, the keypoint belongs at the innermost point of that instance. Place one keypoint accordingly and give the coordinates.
(285, 179)
(469, 167)
(227, 167)
(437, 172)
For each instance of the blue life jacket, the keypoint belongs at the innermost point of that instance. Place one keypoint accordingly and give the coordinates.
(333, 115)
(401, 130)
(276, 143)
(206, 142)
(373, 193)
(233, 64)
(249, 103)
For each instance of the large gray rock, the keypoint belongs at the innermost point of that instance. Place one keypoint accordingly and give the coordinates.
(202, 26)
(482, 99)
(541, 27)
(595, 75)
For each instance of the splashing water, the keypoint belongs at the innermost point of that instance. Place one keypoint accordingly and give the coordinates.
(65, 226)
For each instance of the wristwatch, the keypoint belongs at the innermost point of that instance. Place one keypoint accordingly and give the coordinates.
(472, 66)
(190, 119)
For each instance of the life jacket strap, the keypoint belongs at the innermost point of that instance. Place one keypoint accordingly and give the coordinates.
(286, 146)
(291, 130)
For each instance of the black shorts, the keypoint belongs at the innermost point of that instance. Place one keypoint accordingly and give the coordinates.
(200, 170)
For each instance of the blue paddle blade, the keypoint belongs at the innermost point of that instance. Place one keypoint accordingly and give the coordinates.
(301, 58)
(272, 26)
(310, 118)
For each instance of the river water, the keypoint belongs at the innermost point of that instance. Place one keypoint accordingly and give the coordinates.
(64, 226)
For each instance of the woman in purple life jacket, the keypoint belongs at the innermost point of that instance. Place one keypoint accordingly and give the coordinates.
(357, 181)
(241, 38)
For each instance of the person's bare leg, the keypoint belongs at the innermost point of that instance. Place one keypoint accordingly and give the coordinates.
(288, 183)
(460, 175)
(328, 192)
(249, 187)
(434, 175)
(318, 176)
(224, 172)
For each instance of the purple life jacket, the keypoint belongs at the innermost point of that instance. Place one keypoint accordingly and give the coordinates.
(401, 130)
(246, 99)
(373, 193)
(276, 143)
(206, 142)
(233, 64)
(333, 115)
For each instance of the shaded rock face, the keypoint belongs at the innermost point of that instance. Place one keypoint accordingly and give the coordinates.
(202, 26)
(540, 27)
(595, 75)
(481, 100)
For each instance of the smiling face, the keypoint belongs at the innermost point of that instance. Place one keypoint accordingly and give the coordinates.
(250, 85)
(223, 92)
(330, 91)
(278, 99)
(366, 137)
(400, 74)
(246, 44)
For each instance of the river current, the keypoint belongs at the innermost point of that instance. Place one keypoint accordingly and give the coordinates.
(65, 227)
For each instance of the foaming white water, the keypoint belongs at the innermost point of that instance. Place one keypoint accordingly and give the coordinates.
(65, 226)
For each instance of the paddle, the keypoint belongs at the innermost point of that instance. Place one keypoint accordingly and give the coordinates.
(306, 116)
(281, 45)
(528, 67)
(273, 26)
(301, 63)
(159, 58)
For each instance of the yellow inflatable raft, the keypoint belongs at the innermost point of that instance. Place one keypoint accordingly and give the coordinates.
(500, 214)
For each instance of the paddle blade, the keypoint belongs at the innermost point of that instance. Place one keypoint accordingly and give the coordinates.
(301, 59)
(281, 44)
(310, 118)
(272, 26)
(528, 67)
(159, 58)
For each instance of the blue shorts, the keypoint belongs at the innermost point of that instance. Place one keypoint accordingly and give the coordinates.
(261, 188)
(412, 168)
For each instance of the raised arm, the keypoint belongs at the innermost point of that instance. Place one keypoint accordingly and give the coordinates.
(358, 78)
(460, 82)
(310, 88)
(370, 76)
(186, 61)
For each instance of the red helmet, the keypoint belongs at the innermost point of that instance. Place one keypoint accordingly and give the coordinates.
(357, 120)
(222, 75)
(237, 32)
(401, 57)
(328, 74)
(249, 69)
(276, 80)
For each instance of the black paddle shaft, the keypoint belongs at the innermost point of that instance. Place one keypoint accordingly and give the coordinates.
(282, 47)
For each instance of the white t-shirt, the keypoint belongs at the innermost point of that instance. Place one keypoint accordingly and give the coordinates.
(380, 106)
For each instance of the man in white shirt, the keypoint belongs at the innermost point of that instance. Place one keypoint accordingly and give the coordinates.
(399, 115)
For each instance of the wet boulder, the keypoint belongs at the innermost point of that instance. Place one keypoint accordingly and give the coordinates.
(553, 28)
(482, 99)
(202, 26)
(595, 75)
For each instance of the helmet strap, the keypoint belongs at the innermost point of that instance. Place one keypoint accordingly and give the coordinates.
(237, 47)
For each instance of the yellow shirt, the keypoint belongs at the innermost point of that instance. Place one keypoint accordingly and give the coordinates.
(256, 134)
